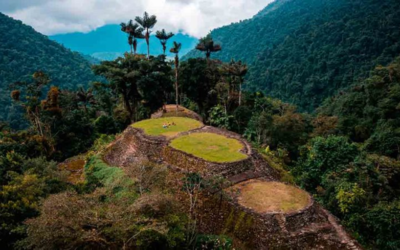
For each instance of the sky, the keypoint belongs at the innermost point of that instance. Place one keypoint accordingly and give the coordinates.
(192, 17)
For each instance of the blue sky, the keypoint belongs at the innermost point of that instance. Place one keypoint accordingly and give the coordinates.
(193, 17)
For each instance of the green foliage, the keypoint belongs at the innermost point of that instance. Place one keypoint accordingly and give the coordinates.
(369, 111)
(111, 215)
(218, 118)
(197, 79)
(304, 51)
(348, 195)
(138, 82)
(213, 242)
(23, 183)
(241, 117)
(323, 158)
(382, 221)
(23, 52)
(359, 188)
(89, 221)
(99, 174)
(105, 125)
(277, 125)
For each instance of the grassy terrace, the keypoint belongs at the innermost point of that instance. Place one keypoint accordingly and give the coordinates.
(210, 147)
(264, 197)
(155, 126)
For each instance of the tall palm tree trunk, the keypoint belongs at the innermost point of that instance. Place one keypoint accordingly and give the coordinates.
(176, 82)
(240, 90)
(148, 43)
(176, 90)
(134, 46)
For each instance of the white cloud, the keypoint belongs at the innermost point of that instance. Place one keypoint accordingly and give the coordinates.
(194, 17)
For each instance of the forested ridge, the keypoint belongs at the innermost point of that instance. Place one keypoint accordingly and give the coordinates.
(303, 51)
(24, 51)
(346, 153)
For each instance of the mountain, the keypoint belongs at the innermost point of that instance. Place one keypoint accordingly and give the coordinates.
(108, 42)
(24, 51)
(303, 51)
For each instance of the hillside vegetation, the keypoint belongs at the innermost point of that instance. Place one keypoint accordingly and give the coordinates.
(346, 153)
(302, 51)
(24, 51)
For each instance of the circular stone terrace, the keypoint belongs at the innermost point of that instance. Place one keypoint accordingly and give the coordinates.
(266, 197)
(190, 146)
(167, 126)
(210, 147)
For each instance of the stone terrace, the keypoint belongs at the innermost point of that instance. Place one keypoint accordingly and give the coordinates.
(301, 224)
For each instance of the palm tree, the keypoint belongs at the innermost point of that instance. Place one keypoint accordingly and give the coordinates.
(163, 37)
(206, 44)
(238, 70)
(126, 27)
(134, 32)
(147, 22)
(177, 47)
(85, 97)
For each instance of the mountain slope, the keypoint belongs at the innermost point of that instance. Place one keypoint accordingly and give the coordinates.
(108, 42)
(24, 51)
(303, 51)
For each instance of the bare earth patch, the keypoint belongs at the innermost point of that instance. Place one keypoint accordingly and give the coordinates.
(268, 197)
(74, 166)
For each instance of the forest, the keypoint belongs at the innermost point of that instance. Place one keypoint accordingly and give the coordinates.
(346, 153)
(303, 51)
(24, 51)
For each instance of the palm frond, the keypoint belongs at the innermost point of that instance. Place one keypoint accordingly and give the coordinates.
(147, 22)
(176, 48)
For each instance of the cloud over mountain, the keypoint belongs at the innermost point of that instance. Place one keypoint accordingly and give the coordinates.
(194, 17)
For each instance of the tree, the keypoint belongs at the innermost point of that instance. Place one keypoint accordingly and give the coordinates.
(121, 73)
(206, 44)
(26, 182)
(239, 71)
(134, 33)
(163, 37)
(222, 89)
(147, 22)
(89, 221)
(198, 78)
(154, 82)
(140, 83)
(323, 158)
(175, 49)
(192, 185)
(32, 103)
(85, 98)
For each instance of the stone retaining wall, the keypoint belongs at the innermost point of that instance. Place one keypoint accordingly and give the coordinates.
(191, 163)
(306, 229)
(219, 213)
(182, 112)
(152, 146)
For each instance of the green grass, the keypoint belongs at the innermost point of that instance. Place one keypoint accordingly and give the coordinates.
(210, 147)
(155, 126)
